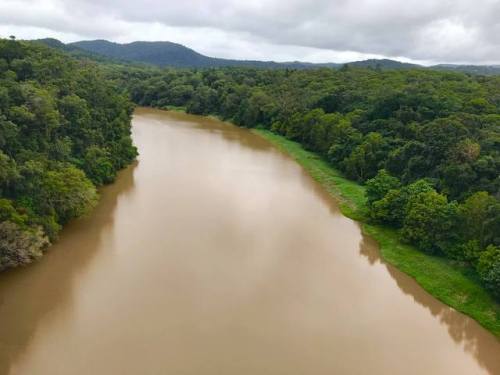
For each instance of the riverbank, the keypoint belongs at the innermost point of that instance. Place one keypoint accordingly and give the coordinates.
(274, 270)
(449, 281)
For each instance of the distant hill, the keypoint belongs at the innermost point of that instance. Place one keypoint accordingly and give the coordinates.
(173, 54)
(75, 50)
(486, 70)
(176, 55)
(383, 64)
(155, 53)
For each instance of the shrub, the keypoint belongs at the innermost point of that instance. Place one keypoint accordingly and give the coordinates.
(19, 247)
(488, 268)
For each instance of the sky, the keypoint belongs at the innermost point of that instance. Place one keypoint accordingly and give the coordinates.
(421, 31)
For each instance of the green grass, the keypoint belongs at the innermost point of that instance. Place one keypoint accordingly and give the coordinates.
(175, 108)
(449, 281)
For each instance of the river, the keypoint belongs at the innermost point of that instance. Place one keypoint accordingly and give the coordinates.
(217, 254)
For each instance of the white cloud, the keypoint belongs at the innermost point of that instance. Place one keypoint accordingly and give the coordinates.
(307, 30)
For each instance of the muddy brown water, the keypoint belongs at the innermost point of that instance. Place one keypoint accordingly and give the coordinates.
(217, 254)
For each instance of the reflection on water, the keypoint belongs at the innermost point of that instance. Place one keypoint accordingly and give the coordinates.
(463, 330)
(217, 254)
(44, 289)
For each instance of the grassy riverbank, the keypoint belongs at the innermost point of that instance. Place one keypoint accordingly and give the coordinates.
(448, 281)
(175, 108)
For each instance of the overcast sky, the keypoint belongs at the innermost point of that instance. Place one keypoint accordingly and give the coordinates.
(425, 31)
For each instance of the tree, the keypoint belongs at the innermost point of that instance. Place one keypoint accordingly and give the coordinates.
(68, 191)
(8, 173)
(441, 136)
(19, 247)
(366, 159)
(408, 161)
(429, 221)
(479, 217)
(392, 208)
(379, 186)
(203, 101)
(345, 139)
(9, 213)
(488, 268)
(257, 109)
(98, 165)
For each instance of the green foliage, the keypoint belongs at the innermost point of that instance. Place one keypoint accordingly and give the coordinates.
(488, 268)
(367, 158)
(479, 217)
(98, 165)
(393, 207)
(68, 192)
(380, 185)
(9, 213)
(64, 128)
(19, 247)
(8, 173)
(429, 221)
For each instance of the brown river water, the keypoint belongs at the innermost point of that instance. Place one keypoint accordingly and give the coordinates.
(217, 254)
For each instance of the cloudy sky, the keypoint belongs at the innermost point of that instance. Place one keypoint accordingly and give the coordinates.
(424, 31)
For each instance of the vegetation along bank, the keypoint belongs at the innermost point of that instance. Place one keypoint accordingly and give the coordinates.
(64, 130)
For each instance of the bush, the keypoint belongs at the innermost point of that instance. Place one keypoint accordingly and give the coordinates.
(392, 208)
(429, 221)
(69, 192)
(19, 247)
(488, 268)
(379, 186)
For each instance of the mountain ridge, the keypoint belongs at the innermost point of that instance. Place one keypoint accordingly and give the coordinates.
(165, 53)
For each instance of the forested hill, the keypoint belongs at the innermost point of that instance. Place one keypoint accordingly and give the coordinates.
(64, 129)
(176, 55)
(172, 54)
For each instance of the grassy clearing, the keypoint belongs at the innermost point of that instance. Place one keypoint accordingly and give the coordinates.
(448, 281)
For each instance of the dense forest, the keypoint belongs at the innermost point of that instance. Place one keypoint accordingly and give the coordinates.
(426, 144)
(64, 130)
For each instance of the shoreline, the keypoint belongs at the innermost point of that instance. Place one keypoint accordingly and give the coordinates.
(446, 280)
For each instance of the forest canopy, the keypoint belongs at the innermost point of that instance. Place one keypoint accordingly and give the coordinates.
(64, 130)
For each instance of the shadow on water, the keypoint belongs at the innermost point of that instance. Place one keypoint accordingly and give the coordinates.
(462, 329)
(28, 295)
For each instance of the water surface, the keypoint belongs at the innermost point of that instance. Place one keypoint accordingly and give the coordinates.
(216, 254)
